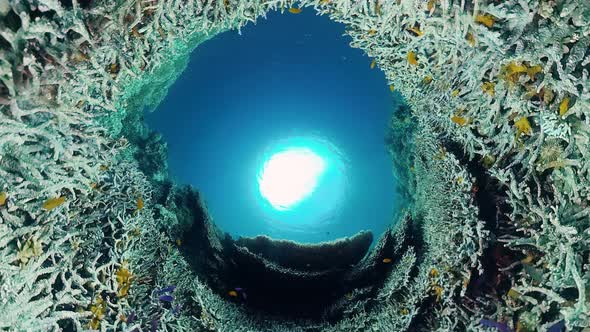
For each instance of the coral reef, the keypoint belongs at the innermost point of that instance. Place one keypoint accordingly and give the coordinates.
(290, 254)
(492, 154)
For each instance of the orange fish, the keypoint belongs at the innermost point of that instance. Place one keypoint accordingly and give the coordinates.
(373, 63)
(294, 10)
(3, 198)
(232, 293)
(412, 58)
(139, 203)
(386, 260)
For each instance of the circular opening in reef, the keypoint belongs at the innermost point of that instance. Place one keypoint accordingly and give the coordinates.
(284, 140)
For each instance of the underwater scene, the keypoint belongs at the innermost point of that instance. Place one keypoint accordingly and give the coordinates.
(282, 165)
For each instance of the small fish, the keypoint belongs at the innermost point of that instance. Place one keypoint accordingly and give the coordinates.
(470, 39)
(563, 107)
(244, 295)
(52, 203)
(167, 289)
(372, 32)
(131, 318)
(114, 68)
(80, 56)
(430, 5)
(486, 19)
(166, 298)
(373, 63)
(523, 126)
(455, 92)
(139, 203)
(412, 58)
(391, 88)
(557, 327)
(154, 325)
(438, 291)
(534, 70)
(502, 327)
(386, 260)
(3, 196)
(513, 293)
(461, 121)
(122, 318)
(416, 31)
(294, 10)
(178, 242)
(427, 79)
(434, 273)
(232, 293)
(489, 88)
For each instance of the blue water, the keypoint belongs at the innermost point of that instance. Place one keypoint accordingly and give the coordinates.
(287, 76)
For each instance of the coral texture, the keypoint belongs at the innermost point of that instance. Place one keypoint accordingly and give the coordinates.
(493, 153)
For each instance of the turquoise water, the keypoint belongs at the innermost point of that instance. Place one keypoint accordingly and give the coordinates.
(288, 81)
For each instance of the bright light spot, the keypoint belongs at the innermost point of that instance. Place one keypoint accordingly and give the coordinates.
(290, 176)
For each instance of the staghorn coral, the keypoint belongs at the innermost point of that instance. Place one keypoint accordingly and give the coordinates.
(502, 83)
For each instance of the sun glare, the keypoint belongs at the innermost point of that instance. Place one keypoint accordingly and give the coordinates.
(290, 176)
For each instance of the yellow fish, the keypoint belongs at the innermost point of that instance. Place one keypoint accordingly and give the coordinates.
(139, 203)
(489, 88)
(534, 70)
(461, 121)
(232, 293)
(433, 273)
(124, 278)
(513, 293)
(372, 32)
(563, 108)
(427, 79)
(391, 88)
(417, 31)
(52, 203)
(412, 58)
(430, 5)
(523, 126)
(3, 198)
(486, 19)
(294, 10)
(373, 63)
(470, 39)
(178, 242)
(386, 260)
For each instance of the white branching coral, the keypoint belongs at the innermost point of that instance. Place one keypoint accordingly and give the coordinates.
(506, 81)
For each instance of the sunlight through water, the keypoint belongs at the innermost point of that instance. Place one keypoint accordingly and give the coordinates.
(290, 176)
(302, 180)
